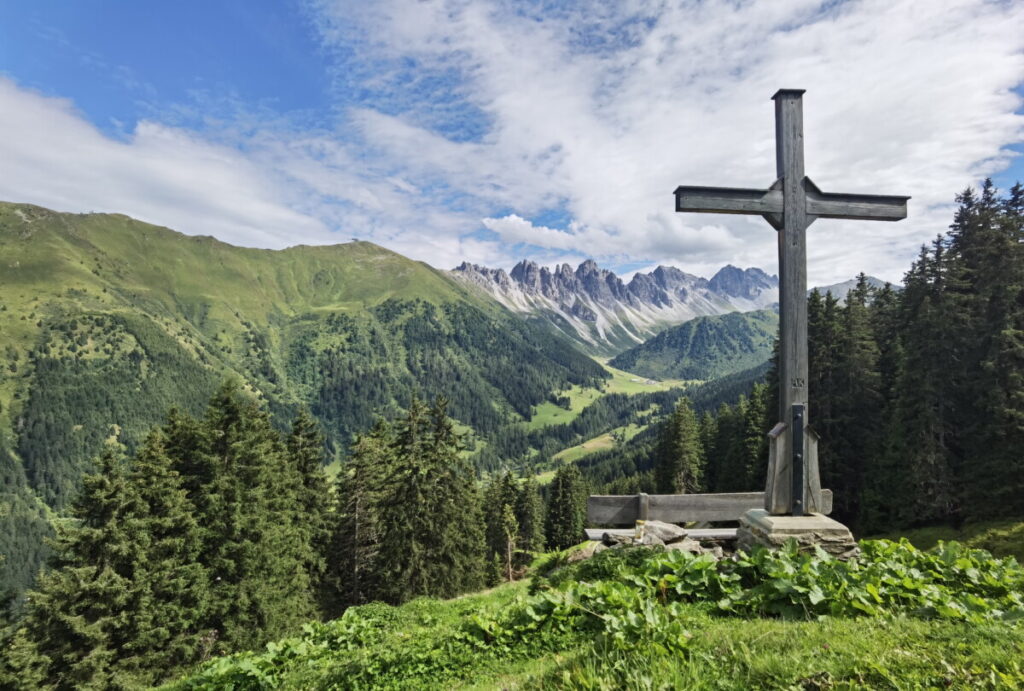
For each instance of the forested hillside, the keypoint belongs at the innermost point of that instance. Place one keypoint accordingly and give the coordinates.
(107, 322)
(705, 348)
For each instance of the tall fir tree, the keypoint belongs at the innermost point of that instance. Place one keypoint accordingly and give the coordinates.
(168, 635)
(122, 604)
(755, 437)
(679, 460)
(500, 493)
(728, 467)
(253, 547)
(922, 409)
(355, 543)
(882, 467)
(431, 537)
(510, 532)
(857, 406)
(306, 455)
(994, 474)
(567, 508)
(529, 511)
(75, 618)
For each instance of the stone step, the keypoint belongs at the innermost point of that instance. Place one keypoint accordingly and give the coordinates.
(695, 533)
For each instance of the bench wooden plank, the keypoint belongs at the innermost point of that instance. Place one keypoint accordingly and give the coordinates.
(611, 509)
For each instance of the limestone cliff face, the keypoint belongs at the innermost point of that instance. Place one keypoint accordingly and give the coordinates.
(607, 315)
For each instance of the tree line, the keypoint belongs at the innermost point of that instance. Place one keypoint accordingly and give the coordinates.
(220, 533)
(917, 395)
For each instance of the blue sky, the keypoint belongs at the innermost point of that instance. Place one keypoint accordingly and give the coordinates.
(492, 130)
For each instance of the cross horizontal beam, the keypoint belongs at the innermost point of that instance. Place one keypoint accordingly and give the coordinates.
(769, 202)
(728, 200)
(862, 207)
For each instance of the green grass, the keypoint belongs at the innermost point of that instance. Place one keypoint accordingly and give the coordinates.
(602, 442)
(628, 383)
(563, 636)
(1001, 538)
(891, 653)
(547, 413)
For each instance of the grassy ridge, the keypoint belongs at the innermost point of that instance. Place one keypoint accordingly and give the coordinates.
(260, 315)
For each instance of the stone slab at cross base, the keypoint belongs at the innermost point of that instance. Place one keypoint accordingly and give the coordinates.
(758, 527)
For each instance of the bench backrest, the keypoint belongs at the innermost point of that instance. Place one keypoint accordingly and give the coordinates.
(612, 509)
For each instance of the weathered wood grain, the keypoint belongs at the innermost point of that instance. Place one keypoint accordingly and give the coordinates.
(728, 200)
(860, 207)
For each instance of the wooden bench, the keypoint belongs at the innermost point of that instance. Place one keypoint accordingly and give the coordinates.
(626, 510)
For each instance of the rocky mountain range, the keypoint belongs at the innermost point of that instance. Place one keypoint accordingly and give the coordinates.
(607, 315)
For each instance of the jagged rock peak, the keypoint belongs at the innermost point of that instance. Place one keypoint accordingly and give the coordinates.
(669, 275)
(483, 275)
(605, 313)
(733, 281)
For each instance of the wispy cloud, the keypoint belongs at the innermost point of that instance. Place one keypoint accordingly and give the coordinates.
(606, 108)
(461, 128)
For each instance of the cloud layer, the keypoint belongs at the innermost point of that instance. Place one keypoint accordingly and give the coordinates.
(488, 131)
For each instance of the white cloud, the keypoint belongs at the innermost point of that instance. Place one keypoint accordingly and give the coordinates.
(594, 111)
(912, 97)
(54, 158)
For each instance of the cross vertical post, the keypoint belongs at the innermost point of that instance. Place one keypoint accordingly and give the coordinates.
(792, 238)
(790, 205)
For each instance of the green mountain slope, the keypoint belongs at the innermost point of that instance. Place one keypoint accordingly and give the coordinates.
(107, 322)
(705, 348)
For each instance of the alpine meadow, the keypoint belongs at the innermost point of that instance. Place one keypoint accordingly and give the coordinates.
(364, 346)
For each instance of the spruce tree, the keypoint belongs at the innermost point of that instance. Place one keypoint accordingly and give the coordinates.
(501, 492)
(75, 619)
(459, 510)
(431, 537)
(567, 508)
(993, 472)
(858, 405)
(755, 437)
(352, 556)
(256, 553)
(529, 513)
(510, 532)
(306, 455)
(167, 625)
(728, 473)
(122, 603)
(882, 467)
(679, 460)
(922, 407)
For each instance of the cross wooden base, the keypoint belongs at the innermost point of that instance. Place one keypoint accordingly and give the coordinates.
(760, 528)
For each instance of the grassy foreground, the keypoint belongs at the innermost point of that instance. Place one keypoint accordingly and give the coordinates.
(1001, 538)
(897, 618)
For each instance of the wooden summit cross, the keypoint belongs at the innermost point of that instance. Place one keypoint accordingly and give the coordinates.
(790, 205)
